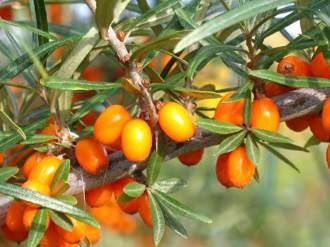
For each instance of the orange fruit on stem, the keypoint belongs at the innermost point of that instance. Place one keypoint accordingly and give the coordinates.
(176, 122)
(144, 210)
(317, 128)
(14, 216)
(273, 89)
(77, 233)
(99, 196)
(293, 66)
(31, 162)
(136, 140)
(320, 67)
(298, 124)
(109, 125)
(222, 170)
(93, 234)
(229, 112)
(192, 158)
(265, 115)
(17, 236)
(6, 12)
(91, 155)
(28, 216)
(326, 115)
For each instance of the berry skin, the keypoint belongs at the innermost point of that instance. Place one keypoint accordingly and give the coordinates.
(109, 125)
(191, 158)
(14, 216)
(229, 112)
(52, 239)
(265, 115)
(317, 128)
(298, 124)
(74, 236)
(235, 169)
(36, 186)
(45, 171)
(91, 155)
(28, 216)
(17, 236)
(328, 156)
(99, 196)
(6, 12)
(176, 122)
(31, 162)
(273, 89)
(326, 115)
(136, 140)
(293, 66)
(130, 207)
(93, 234)
(144, 210)
(320, 67)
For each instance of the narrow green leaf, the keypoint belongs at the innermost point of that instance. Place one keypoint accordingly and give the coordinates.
(312, 141)
(247, 109)
(38, 138)
(123, 198)
(61, 175)
(68, 199)
(61, 220)
(231, 142)
(11, 124)
(169, 185)
(134, 189)
(7, 172)
(221, 128)
(158, 221)
(197, 93)
(252, 149)
(153, 168)
(180, 208)
(270, 136)
(104, 15)
(289, 146)
(41, 19)
(38, 227)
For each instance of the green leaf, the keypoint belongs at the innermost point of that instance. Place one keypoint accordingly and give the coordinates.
(153, 168)
(231, 142)
(169, 185)
(46, 201)
(247, 108)
(312, 141)
(7, 172)
(252, 149)
(38, 138)
(75, 85)
(61, 220)
(289, 146)
(11, 124)
(180, 208)
(215, 126)
(123, 198)
(40, 19)
(134, 189)
(68, 199)
(270, 136)
(196, 93)
(61, 175)
(292, 81)
(158, 221)
(38, 227)
(232, 17)
(104, 15)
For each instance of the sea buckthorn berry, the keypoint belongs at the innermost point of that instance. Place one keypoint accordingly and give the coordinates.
(31, 163)
(222, 170)
(136, 140)
(176, 122)
(130, 207)
(326, 115)
(99, 196)
(93, 234)
(36, 186)
(52, 239)
(273, 89)
(1, 158)
(229, 112)
(6, 12)
(293, 66)
(317, 128)
(91, 155)
(320, 67)
(265, 115)
(28, 216)
(109, 125)
(75, 235)
(298, 124)
(17, 236)
(17, 154)
(191, 158)
(328, 155)
(144, 210)
(14, 216)
(45, 171)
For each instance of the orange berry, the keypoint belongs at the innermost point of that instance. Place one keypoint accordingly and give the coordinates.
(17, 154)
(1, 158)
(192, 158)
(93, 234)
(273, 89)
(91, 155)
(99, 196)
(45, 171)
(75, 235)
(293, 66)
(36, 186)
(109, 125)
(130, 207)
(176, 122)
(317, 128)
(320, 67)
(265, 115)
(144, 210)
(326, 115)
(298, 124)
(50, 238)
(6, 12)
(14, 216)
(17, 236)
(328, 156)
(93, 73)
(28, 216)
(238, 169)
(136, 140)
(31, 162)
(229, 112)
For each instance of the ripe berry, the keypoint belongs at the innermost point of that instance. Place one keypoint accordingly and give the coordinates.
(176, 122)
(328, 156)
(130, 207)
(265, 115)
(222, 170)
(31, 162)
(191, 158)
(44, 172)
(230, 112)
(136, 140)
(320, 67)
(293, 66)
(28, 216)
(99, 196)
(109, 125)
(317, 128)
(6, 12)
(144, 210)
(326, 115)
(17, 236)
(298, 124)
(273, 89)
(76, 234)
(14, 216)
(91, 155)
(93, 234)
